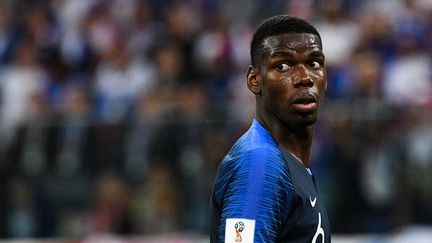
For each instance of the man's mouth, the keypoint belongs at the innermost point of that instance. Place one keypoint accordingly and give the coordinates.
(305, 103)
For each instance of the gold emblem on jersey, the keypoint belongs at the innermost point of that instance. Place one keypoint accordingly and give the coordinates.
(239, 227)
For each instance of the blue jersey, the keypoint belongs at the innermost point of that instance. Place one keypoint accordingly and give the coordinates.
(263, 194)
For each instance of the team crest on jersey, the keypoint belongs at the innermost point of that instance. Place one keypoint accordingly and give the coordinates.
(239, 230)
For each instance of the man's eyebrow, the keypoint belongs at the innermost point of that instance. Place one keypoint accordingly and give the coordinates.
(288, 53)
(283, 53)
(316, 53)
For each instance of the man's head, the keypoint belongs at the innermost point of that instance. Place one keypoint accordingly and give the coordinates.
(287, 74)
(276, 25)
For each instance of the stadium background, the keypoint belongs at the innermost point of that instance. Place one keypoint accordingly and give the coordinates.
(114, 115)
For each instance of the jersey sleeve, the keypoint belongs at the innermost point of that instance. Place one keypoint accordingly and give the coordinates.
(257, 198)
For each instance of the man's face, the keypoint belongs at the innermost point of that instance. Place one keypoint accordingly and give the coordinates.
(292, 78)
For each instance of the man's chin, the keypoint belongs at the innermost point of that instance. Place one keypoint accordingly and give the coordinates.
(305, 120)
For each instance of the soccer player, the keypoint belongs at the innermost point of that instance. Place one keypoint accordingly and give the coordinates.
(264, 190)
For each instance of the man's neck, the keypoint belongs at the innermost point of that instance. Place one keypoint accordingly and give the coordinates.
(296, 139)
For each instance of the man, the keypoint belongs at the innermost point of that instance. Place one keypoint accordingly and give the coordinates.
(264, 191)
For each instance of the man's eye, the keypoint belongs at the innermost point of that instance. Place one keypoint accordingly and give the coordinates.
(315, 65)
(283, 67)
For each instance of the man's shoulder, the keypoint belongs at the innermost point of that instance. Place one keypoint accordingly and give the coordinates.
(254, 157)
(254, 142)
(256, 137)
(252, 150)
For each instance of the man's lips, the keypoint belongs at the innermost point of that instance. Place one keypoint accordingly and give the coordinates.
(305, 103)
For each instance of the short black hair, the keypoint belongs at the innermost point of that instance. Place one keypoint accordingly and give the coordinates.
(277, 25)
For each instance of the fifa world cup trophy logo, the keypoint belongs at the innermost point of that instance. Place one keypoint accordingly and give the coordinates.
(239, 227)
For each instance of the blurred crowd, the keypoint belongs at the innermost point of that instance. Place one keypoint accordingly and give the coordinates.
(114, 114)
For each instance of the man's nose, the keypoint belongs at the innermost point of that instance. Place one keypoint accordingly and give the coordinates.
(302, 77)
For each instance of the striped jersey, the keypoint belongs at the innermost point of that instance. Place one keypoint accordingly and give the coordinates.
(263, 194)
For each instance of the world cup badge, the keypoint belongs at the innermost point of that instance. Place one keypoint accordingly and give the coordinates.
(239, 227)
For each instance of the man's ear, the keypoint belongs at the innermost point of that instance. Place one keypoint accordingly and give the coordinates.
(253, 80)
